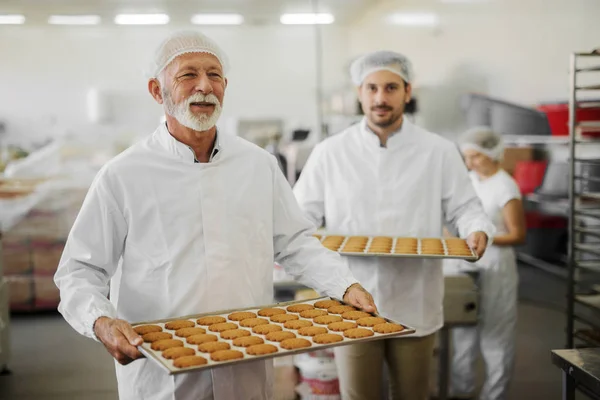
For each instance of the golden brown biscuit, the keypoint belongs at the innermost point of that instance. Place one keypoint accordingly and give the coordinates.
(327, 319)
(166, 344)
(292, 344)
(388, 327)
(156, 336)
(261, 349)
(211, 347)
(234, 334)
(226, 355)
(225, 326)
(202, 338)
(340, 309)
(176, 352)
(312, 331)
(355, 315)
(297, 324)
(280, 336)
(326, 303)
(189, 361)
(370, 321)
(281, 318)
(269, 312)
(185, 332)
(240, 316)
(341, 326)
(179, 324)
(432, 252)
(312, 313)
(252, 322)
(327, 338)
(268, 328)
(358, 333)
(247, 341)
(211, 320)
(143, 329)
(296, 308)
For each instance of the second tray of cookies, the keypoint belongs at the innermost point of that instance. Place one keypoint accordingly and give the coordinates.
(235, 336)
(386, 246)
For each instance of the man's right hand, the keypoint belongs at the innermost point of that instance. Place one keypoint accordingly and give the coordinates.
(119, 338)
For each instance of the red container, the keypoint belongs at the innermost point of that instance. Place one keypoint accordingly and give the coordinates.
(536, 220)
(529, 175)
(558, 117)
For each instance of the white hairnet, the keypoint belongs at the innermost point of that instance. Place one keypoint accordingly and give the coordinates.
(380, 61)
(484, 140)
(182, 42)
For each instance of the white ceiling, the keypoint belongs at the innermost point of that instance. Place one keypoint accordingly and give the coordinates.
(254, 11)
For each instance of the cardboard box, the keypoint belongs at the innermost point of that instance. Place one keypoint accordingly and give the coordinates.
(45, 256)
(16, 257)
(20, 290)
(46, 294)
(461, 300)
(514, 154)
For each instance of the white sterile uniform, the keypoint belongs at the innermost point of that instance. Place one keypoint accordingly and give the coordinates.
(495, 334)
(409, 188)
(179, 238)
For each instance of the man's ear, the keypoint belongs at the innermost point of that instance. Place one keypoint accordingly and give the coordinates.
(408, 90)
(155, 90)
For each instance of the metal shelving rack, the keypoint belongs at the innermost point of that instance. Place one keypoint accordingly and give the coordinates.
(583, 291)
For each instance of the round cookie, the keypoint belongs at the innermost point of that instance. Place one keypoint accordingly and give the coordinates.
(340, 309)
(297, 324)
(327, 319)
(370, 321)
(240, 316)
(189, 361)
(327, 338)
(156, 336)
(269, 312)
(388, 327)
(178, 324)
(355, 315)
(281, 318)
(211, 320)
(292, 344)
(165, 344)
(248, 341)
(280, 336)
(143, 329)
(261, 349)
(252, 322)
(326, 303)
(341, 326)
(226, 355)
(185, 332)
(176, 352)
(202, 338)
(211, 347)
(312, 331)
(234, 334)
(296, 308)
(265, 329)
(358, 333)
(312, 313)
(225, 326)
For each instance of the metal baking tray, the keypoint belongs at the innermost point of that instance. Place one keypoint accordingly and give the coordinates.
(168, 366)
(420, 253)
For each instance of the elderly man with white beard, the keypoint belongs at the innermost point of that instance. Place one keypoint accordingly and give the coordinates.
(188, 221)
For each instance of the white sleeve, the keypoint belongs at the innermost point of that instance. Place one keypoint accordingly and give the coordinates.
(462, 207)
(90, 258)
(302, 255)
(310, 187)
(509, 191)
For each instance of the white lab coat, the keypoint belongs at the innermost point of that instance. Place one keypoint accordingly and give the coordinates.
(409, 188)
(180, 238)
(498, 279)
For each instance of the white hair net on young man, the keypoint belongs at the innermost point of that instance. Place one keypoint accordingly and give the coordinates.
(182, 42)
(484, 140)
(381, 61)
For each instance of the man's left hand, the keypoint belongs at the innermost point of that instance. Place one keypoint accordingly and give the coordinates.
(478, 242)
(358, 297)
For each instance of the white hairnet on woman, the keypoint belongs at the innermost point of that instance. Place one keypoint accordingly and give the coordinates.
(482, 149)
(381, 61)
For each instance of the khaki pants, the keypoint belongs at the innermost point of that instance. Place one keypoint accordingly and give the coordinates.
(360, 368)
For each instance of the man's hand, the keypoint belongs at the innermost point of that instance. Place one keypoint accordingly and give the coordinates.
(357, 296)
(119, 338)
(478, 242)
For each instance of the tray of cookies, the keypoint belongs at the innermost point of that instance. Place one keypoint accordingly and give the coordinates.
(228, 337)
(387, 246)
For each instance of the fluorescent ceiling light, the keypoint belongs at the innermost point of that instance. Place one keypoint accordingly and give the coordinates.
(142, 19)
(74, 20)
(12, 19)
(414, 19)
(217, 19)
(307, 19)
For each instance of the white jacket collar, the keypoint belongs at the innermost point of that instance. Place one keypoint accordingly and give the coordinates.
(395, 138)
(181, 150)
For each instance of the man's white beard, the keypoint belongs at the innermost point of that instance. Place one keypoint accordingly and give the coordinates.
(184, 115)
